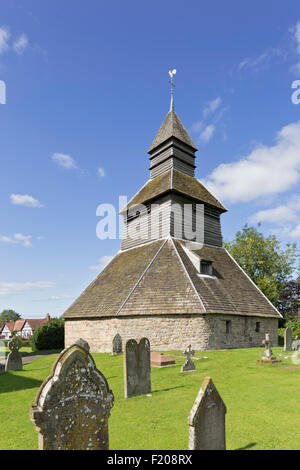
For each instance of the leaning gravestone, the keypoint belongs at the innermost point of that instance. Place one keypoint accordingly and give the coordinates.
(72, 406)
(207, 419)
(137, 371)
(117, 345)
(288, 339)
(188, 366)
(14, 359)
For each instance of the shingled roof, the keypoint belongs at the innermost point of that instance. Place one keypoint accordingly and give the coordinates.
(159, 278)
(172, 127)
(174, 180)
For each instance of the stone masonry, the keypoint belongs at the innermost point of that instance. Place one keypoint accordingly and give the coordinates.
(167, 332)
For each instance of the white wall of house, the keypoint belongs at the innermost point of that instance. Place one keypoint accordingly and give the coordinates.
(27, 331)
(6, 333)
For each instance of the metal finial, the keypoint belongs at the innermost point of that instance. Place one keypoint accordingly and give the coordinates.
(171, 73)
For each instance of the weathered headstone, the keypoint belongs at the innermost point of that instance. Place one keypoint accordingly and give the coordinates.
(207, 419)
(268, 357)
(295, 344)
(288, 339)
(117, 345)
(188, 365)
(137, 371)
(14, 358)
(72, 406)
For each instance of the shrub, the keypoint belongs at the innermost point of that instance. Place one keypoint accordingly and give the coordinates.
(295, 326)
(50, 335)
(281, 336)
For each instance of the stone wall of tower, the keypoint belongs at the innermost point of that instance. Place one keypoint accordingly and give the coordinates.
(174, 332)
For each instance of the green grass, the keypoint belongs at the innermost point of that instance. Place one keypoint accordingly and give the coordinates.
(262, 400)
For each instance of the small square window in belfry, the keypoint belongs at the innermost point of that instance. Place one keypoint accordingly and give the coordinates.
(257, 327)
(228, 326)
(206, 267)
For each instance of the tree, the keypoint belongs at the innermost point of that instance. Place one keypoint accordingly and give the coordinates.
(289, 300)
(8, 315)
(50, 335)
(266, 263)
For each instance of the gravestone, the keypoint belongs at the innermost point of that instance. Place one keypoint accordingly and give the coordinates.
(137, 371)
(117, 345)
(268, 357)
(160, 360)
(207, 419)
(14, 358)
(288, 339)
(188, 366)
(296, 343)
(73, 404)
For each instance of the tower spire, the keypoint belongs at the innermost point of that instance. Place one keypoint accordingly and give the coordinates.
(171, 73)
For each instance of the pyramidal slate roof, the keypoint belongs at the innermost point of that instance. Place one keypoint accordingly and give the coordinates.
(176, 181)
(159, 278)
(172, 127)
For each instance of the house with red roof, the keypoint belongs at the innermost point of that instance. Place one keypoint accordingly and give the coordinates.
(23, 328)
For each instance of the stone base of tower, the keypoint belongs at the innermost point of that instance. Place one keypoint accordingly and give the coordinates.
(175, 332)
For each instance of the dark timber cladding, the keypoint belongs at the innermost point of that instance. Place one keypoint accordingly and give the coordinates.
(170, 287)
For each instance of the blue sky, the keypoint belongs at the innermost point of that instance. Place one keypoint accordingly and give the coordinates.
(87, 89)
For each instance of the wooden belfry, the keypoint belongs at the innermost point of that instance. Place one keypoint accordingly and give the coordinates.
(172, 281)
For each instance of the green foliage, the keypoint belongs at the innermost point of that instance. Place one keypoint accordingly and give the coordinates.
(289, 301)
(263, 259)
(50, 335)
(8, 315)
(294, 324)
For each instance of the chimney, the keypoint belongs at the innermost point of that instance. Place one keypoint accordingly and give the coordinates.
(47, 317)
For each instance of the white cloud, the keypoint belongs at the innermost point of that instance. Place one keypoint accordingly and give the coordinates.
(296, 33)
(102, 262)
(9, 288)
(66, 161)
(17, 238)
(5, 239)
(206, 130)
(24, 239)
(207, 134)
(4, 38)
(295, 233)
(20, 44)
(285, 216)
(60, 297)
(281, 214)
(211, 107)
(262, 60)
(24, 200)
(278, 214)
(266, 171)
(101, 172)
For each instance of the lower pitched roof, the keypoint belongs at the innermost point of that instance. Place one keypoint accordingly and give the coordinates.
(159, 278)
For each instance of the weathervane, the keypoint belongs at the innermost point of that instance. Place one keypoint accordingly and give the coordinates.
(171, 73)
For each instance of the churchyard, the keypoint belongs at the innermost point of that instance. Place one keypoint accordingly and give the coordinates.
(261, 399)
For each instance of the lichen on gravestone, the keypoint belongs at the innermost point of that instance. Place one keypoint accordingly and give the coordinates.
(14, 358)
(73, 404)
(207, 419)
(137, 370)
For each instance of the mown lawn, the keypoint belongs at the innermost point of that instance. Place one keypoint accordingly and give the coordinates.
(263, 402)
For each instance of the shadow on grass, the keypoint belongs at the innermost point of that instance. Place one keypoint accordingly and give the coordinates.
(12, 383)
(248, 446)
(167, 389)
